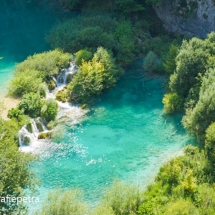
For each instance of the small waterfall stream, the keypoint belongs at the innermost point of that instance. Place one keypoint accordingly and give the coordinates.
(28, 134)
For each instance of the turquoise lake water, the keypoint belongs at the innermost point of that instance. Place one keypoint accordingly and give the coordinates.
(23, 27)
(125, 136)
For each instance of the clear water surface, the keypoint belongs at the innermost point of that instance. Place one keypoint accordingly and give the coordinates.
(23, 26)
(125, 136)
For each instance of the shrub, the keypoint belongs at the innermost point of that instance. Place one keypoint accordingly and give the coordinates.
(25, 82)
(51, 84)
(83, 55)
(94, 30)
(42, 89)
(172, 103)
(14, 113)
(95, 76)
(210, 143)
(31, 104)
(49, 110)
(197, 120)
(47, 63)
(62, 95)
(64, 203)
(170, 63)
(124, 199)
(182, 207)
(150, 62)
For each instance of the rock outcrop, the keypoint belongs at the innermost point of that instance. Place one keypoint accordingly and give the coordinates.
(193, 18)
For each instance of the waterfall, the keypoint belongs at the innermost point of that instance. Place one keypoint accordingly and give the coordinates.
(61, 78)
(67, 113)
(29, 132)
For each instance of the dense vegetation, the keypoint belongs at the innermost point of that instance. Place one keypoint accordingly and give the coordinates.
(15, 172)
(95, 76)
(37, 69)
(94, 30)
(102, 45)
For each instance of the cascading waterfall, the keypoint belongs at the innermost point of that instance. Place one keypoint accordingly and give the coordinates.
(28, 134)
(62, 77)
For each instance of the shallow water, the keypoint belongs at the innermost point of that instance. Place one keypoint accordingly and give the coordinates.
(124, 137)
(23, 27)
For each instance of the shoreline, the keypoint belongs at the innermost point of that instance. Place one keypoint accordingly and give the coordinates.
(8, 103)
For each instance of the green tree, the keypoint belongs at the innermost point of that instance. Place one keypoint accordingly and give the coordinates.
(63, 203)
(170, 63)
(181, 207)
(47, 63)
(25, 82)
(95, 76)
(49, 110)
(150, 62)
(31, 104)
(172, 103)
(83, 55)
(124, 199)
(210, 143)
(197, 120)
(15, 173)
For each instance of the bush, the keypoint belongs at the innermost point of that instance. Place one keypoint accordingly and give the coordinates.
(25, 82)
(83, 55)
(124, 199)
(64, 203)
(14, 113)
(182, 207)
(42, 90)
(49, 110)
(62, 95)
(16, 175)
(94, 30)
(210, 143)
(47, 63)
(197, 120)
(31, 104)
(172, 103)
(170, 63)
(95, 76)
(51, 84)
(150, 62)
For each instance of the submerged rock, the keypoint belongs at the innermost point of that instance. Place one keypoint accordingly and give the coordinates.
(45, 135)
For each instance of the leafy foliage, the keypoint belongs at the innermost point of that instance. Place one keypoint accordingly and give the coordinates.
(49, 110)
(15, 172)
(46, 63)
(31, 104)
(91, 31)
(170, 63)
(25, 82)
(124, 199)
(83, 55)
(95, 76)
(63, 203)
(36, 69)
(201, 116)
(150, 62)
(172, 103)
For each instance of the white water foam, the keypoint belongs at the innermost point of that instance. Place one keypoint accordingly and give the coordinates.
(67, 114)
